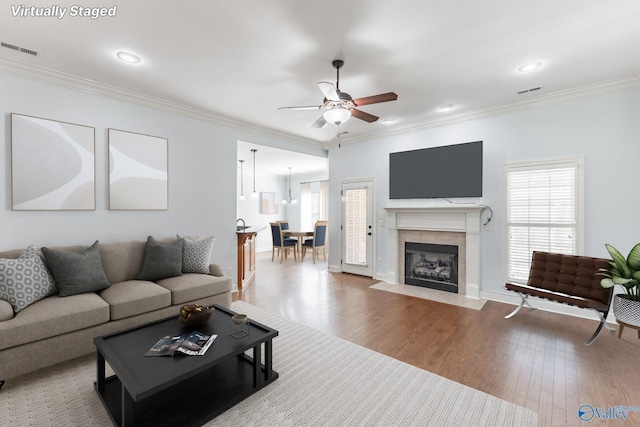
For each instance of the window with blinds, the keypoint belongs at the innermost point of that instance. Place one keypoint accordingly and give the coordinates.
(543, 212)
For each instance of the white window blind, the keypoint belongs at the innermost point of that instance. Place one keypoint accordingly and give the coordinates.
(543, 212)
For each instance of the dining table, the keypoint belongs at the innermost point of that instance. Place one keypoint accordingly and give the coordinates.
(300, 234)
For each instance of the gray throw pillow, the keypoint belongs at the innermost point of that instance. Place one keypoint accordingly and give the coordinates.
(196, 255)
(161, 260)
(77, 272)
(25, 280)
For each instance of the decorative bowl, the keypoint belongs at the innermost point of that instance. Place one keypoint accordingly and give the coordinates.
(239, 319)
(198, 317)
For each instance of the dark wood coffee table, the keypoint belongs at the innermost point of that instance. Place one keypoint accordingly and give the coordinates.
(181, 390)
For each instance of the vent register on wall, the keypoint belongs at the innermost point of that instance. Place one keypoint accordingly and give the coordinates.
(438, 172)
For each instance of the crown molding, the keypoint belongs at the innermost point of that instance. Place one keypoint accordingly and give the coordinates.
(568, 95)
(46, 75)
(92, 87)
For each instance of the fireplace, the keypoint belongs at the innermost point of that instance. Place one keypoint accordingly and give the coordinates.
(432, 266)
(456, 225)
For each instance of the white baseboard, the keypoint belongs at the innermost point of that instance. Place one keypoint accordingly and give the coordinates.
(382, 277)
(335, 269)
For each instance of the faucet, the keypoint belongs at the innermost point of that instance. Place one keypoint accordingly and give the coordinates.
(243, 223)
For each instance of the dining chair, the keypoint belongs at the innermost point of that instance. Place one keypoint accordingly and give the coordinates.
(281, 243)
(317, 242)
(284, 224)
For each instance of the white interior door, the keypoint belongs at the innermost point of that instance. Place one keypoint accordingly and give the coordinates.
(357, 228)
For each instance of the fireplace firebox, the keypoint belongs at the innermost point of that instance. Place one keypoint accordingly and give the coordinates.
(431, 266)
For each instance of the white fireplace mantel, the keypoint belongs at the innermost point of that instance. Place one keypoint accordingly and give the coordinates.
(458, 218)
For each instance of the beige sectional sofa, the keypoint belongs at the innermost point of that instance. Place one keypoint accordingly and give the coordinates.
(57, 328)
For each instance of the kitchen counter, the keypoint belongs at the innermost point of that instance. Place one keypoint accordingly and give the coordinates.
(247, 254)
(250, 229)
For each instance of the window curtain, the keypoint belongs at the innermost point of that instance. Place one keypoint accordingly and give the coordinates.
(305, 206)
(324, 208)
(324, 200)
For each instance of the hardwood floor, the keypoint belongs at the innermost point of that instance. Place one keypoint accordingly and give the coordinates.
(536, 359)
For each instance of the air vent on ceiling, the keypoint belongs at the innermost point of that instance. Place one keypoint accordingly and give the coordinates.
(19, 49)
(533, 89)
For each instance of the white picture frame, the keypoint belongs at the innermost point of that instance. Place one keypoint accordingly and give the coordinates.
(52, 165)
(138, 171)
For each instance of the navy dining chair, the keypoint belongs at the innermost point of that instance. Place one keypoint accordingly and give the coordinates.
(283, 245)
(317, 242)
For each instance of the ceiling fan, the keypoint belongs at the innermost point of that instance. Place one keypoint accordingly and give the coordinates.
(339, 105)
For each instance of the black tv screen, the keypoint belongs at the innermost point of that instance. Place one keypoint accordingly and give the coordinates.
(449, 171)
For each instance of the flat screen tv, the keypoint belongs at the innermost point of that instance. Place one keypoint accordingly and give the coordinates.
(438, 172)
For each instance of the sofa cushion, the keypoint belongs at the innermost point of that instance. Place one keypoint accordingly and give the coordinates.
(122, 261)
(190, 287)
(77, 272)
(53, 316)
(25, 280)
(196, 255)
(135, 297)
(216, 270)
(6, 310)
(161, 260)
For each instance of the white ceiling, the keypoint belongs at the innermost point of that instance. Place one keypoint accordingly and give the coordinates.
(274, 161)
(241, 60)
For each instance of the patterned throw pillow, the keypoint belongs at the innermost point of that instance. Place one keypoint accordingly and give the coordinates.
(196, 256)
(25, 280)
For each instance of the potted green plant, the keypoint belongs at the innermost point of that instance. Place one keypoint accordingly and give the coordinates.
(626, 273)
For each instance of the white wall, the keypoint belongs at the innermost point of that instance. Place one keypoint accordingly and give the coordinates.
(604, 129)
(202, 172)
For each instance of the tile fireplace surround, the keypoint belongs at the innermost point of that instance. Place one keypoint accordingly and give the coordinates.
(457, 225)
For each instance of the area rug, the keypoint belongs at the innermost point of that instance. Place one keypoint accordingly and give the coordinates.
(430, 294)
(324, 381)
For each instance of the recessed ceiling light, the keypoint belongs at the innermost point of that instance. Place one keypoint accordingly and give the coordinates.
(525, 68)
(128, 57)
(446, 108)
(388, 121)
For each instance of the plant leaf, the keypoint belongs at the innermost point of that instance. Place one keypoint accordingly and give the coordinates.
(633, 260)
(630, 285)
(620, 260)
(607, 283)
(621, 280)
(636, 275)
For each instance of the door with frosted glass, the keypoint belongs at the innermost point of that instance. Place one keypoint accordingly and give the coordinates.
(357, 228)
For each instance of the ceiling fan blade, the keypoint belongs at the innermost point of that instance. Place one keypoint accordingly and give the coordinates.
(307, 107)
(384, 97)
(319, 123)
(363, 116)
(329, 91)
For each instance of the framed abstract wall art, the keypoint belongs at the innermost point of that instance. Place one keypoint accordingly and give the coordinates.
(52, 165)
(138, 171)
(269, 203)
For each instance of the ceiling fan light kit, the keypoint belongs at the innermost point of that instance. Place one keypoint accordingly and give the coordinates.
(337, 115)
(339, 105)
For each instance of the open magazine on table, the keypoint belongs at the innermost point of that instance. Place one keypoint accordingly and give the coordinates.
(192, 343)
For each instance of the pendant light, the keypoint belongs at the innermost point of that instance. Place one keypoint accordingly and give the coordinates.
(289, 199)
(254, 194)
(241, 180)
